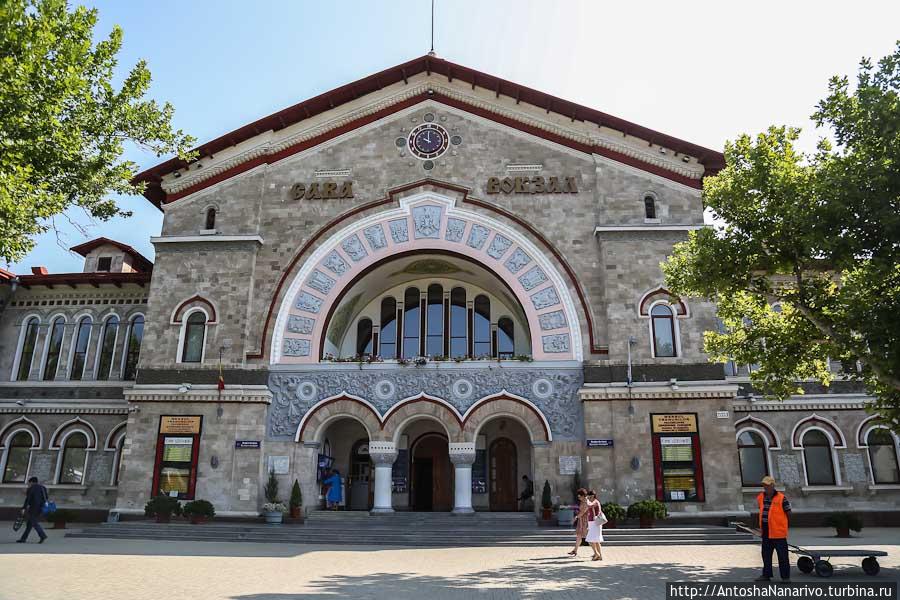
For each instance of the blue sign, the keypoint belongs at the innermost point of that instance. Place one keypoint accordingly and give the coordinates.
(599, 443)
(246, 444)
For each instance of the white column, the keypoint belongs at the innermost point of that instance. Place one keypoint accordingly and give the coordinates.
(383, 454)
(463, 455)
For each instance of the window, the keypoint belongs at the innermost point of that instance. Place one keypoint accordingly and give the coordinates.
(752, 455)
(649, 207)
(26, 355)
(117, 461)
(107, 347)
(364, 337)
(883, 456)
(481, 330)
(177, 451)
(54, 346)
(506, 345)
(18, 457)
(458, 327)
(678, 468)
(210, 218)
(73, 461)
(388, 336)
(194, 334)
(133, 347)
(818, 458)
(434, 323)
(104, 263)
(663, 324)
(80, 345)
(411, 326)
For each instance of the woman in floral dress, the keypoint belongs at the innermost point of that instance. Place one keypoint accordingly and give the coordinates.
(581, 520)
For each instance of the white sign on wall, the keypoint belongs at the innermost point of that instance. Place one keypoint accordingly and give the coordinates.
(675, 441)
(721, 414)
(280, 464)
(569, 465)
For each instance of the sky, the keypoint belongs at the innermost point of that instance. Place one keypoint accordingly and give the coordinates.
(701, 71)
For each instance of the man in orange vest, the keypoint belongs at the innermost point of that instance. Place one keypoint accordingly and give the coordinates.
(774, 510)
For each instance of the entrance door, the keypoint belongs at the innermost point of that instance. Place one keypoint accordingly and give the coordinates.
(432, 488)
(360, 476)
(504, 475)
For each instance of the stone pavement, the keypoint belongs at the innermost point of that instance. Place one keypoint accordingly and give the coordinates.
(96, 569)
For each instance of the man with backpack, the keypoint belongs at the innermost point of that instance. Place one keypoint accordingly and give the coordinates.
(35, 498)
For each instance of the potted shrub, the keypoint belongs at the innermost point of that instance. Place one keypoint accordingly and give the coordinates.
(843, 522)
(274, 508)
(162, 508)
(199, 511)
(565, 515)
(546, 502)
(614, 513)
(647, 511)
(60, 517)
(296, 501)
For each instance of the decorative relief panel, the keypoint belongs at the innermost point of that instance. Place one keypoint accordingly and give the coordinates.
(399, 231)
(532, 278)
(308, 302)
(499, 246)
(427, 220)
(455, 230)
(298, 324)
(788, 469)
(295, 347)
(336, 264)
(545, 298)
(320, 281)
(517, 260)
(552, 320)
(556, 343)
(375, 236)
(854, 468)
(478, 236)
(354, 248)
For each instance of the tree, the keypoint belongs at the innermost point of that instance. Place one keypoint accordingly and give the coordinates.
(804, 262)
(63, 125)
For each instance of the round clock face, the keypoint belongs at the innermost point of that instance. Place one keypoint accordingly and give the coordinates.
(428, 140)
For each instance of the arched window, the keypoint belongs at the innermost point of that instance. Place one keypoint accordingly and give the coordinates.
(411, 326)
(753, 460)
(26, 354)
(18, 458)
(506, 341)
(133, 347)
(79, 348)
(388, 336)
(663, 324)
(194, 336)
(73, 459)
(210, 218)
(54, 346)
(107, 347)
(434, 322)
(818, 458)
(883, 456)
(649, 207)
(482, 326)
(458, 338)
(364, 337)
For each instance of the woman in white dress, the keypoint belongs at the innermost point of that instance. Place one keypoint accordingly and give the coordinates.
(595, 528)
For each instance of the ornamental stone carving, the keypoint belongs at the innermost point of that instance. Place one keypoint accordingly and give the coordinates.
(499, 246)
(298, 324)
(382, 453)
(455, 230)
(336, 264)
(308, 302)
(478, 236)
(427, 220)
(542, 388)
(399, 231)
(462, 453)
(295, 347)
(532, 278)
(354, 248)
(517, 260)
(552, 320)
(462, 389)
(545, 298)
(375, 236)
(321, 282)
(556, 343)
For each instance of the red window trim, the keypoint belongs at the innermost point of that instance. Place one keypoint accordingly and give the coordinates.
(195, 455)
(698, 460)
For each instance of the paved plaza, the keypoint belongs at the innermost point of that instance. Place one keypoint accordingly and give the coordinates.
(97, 569)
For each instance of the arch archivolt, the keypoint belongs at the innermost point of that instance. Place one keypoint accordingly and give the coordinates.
(424, 222)
(821, 423)
(507, 405)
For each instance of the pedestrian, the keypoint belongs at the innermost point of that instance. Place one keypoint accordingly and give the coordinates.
(581, 520)
(774, 514)
(35, 498)
(334, 495)
(595, 527)
(527, 493)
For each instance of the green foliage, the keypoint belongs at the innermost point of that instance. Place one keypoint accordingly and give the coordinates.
(613, 511)
(162, 506)
(296, 495)
(271, 489)
(199, 508)
(64, 125)
(818, 235)
(546, 498)
(653, 509)
(844, 520)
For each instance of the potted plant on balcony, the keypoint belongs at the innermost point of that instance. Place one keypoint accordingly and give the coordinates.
(274, 509)
(296, 502)
(60, 517)
(546, 502)
(614, 513)
(162, 508)
(647, 511)
(199, 511)
(843, 522)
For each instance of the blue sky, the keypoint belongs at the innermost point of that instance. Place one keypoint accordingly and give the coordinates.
(702, 71)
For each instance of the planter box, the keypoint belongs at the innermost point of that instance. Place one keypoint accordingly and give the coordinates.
(198, 520)
(564, 517)
(59, 524)
(274, 518)
(163, 518)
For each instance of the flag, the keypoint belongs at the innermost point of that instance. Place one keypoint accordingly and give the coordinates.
(221, 379)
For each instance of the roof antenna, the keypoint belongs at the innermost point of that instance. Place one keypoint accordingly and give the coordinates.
(431, 52)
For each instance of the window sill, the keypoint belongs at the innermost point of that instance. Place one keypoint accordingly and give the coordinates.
(655, 221)
(13, 486)
(758, 489)
(879, 487)
(812, 489)
(67, 486)
(209, 231)
(108, 488)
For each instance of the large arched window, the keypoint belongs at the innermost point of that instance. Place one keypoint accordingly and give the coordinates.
(506, 341)
(133, 347)
(26, 354)
(817, 454)
(412, 314)
(458, 327)
(434, 322)
(481, 328)
(18, 457)
(54, 346)
(80, 342)
(388, 335)
(753, 460)
(107, 347)
(663, 324)
(73, 459)
(364, 337)
(883, 456)
(194, 337)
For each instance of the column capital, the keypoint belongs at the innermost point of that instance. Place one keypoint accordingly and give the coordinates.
(462, 453)
(382, 453)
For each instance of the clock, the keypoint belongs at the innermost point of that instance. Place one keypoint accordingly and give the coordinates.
(428, 141)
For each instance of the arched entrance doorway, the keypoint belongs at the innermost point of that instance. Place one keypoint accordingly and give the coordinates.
(344, 448)
(432, 487)
(503, 475)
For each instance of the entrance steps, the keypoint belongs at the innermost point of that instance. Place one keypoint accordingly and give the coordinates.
(407, 529)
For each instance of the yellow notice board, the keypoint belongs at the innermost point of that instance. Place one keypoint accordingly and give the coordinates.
(181, 425)
(679, 423)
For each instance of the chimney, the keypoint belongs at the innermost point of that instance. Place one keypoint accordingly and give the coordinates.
(39, 271)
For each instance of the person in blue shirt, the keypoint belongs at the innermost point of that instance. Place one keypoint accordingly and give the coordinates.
(334, 495)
